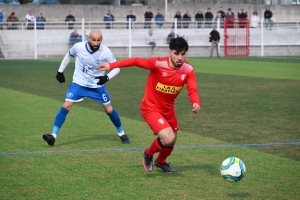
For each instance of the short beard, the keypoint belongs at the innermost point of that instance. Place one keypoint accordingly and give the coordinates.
(92, 48)
(174, 63)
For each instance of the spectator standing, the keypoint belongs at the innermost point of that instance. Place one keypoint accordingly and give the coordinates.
(30, 20)
(208, 18)
(186, 19)
(159, 19)
(70, 19)
(40, 21)
(109, 19)
(132, 17)
(199, 18)
(268, 18)
(11, 21)
(214, 38)
(170, 36)
(242, 15)
(179, 19)
(148, 17)
(74, 38)
(254, 20)
(222, 12)
(151, 40)
(229, 17)
(1, 18)
(219, 16)
(86, 37)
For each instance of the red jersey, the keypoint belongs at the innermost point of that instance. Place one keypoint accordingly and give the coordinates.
(164, 82)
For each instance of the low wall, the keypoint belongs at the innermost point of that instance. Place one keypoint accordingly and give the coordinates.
(20, 44)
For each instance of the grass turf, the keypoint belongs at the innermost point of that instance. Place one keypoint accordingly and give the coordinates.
(239, 108)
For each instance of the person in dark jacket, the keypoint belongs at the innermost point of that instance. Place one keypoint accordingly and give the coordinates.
(40, 21)
(268, 18)
(222, 12)
(1, 19)
(148, 17)
(170, 36)
(179, 19)
(70, 19)
(208, 18)
(199, 18)
(132, 17)
(159, 19)
(242, 15)
(11, 21)
(74, 38)
(187, 18)
(214, 38)
(229, 17)
(109, 19)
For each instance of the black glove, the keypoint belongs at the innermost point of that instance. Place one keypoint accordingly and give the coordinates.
(60, 77)
(102, 79)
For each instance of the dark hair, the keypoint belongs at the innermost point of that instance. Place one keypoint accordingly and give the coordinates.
(179, 43)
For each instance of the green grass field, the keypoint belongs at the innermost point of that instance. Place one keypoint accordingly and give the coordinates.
(245, 101)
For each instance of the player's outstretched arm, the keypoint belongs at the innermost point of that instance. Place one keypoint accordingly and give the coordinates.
(64, 63)
(196, 108)
(104, 66)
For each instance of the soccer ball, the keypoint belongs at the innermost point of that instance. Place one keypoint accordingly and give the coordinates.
(233, 169)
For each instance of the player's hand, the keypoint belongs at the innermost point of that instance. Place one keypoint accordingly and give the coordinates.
(60, 77)
(102, 79)
(104, 66)
(196, 108)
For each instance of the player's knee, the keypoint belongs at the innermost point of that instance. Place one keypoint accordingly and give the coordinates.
(108, 110)
(169, 141)
(68, 105)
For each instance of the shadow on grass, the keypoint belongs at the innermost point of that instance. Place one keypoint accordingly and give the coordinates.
(107, 137)
(210, 169)
(238, 195)
(179, 170)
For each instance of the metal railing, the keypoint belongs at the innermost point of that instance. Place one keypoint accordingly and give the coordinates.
(124, 25)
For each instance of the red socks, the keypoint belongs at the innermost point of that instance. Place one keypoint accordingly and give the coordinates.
(163, 154)
(157, 146)
(154, 147)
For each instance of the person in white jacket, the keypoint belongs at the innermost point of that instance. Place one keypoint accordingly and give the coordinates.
(151, 40)
(30, 20)
(254, 20)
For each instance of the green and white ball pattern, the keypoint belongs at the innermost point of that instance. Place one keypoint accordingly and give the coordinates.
(233, 169)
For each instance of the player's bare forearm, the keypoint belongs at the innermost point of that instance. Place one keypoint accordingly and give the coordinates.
(104, 66)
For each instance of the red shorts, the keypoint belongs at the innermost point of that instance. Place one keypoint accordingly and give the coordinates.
(157, 121)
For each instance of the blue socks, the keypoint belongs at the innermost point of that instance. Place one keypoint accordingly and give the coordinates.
(62, 114)
(59, 120)
(114, 117)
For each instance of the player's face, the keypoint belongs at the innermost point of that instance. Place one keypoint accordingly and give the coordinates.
(94, 42)
(176, 58)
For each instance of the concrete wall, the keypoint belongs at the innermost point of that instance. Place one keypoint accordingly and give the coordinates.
(96, 12)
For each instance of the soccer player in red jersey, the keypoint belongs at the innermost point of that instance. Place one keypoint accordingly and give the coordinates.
(165, 81)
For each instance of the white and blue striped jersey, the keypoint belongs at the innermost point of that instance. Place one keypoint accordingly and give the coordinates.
(87, 62)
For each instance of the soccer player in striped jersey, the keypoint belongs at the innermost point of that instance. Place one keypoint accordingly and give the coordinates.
(166, 79)
(88, 81)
